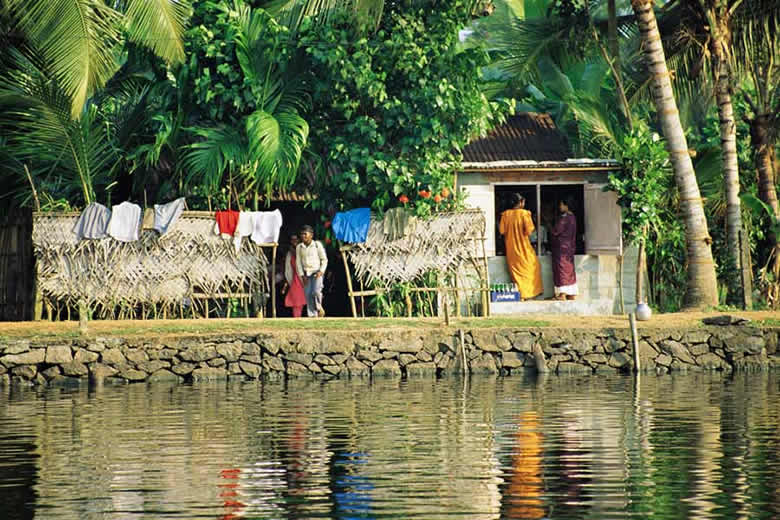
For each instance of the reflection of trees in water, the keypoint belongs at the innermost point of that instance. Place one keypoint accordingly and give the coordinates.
(676, 447)
(18, 457)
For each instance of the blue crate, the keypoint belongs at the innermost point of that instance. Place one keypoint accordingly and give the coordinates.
(500, 296)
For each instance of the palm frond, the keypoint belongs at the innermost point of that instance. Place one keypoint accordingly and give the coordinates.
(291, 13)
(276, 142)
(159, 25)
(75, 154)
(208, 159)
(522, 43)
(76, 39)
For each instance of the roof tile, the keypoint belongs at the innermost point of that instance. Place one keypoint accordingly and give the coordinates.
(524, 136)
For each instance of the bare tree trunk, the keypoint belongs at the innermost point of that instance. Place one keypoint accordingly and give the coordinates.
(612, 36)
(765, 160)
(728, 144)
(764, 149)
(702, 283)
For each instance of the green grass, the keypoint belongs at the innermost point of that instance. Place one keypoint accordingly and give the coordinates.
(67, 330)
(331, 324)
(770, 322)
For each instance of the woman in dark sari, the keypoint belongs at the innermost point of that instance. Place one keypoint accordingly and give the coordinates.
(563, 240)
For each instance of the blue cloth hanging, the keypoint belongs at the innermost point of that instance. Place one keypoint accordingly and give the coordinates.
(352, 226)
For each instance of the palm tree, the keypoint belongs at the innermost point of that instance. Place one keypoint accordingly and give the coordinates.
(757, 49)
(264, 153)
(79, 41)
(701, 39)
(702, 282)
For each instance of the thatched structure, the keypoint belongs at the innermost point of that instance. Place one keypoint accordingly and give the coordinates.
(176, 273)
(444, 243)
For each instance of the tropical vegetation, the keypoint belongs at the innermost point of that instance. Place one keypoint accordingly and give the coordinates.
(231, 102)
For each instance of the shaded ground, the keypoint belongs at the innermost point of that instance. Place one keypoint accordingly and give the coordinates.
(159, 328)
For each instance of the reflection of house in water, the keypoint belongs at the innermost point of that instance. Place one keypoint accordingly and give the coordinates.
(529, 156)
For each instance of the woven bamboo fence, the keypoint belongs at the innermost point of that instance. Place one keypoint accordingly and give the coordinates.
(189, 271)
(445, 243)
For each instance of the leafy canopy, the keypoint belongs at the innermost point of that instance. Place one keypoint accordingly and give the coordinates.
(392, 109)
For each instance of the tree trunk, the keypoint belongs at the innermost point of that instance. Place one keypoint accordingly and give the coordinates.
(612, 35)
(702, 284)
(764, 149)
(728, 145)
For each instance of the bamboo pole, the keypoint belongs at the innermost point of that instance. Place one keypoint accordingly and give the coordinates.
(634, 340)
(457, 295)
(463, 351)
(362, 301)
(486, 280)
(349, 283)
(273, 280)
(746, 274)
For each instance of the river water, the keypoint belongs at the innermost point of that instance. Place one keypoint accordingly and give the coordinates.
(680, 446)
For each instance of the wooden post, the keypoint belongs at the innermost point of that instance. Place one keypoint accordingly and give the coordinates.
(538, 220)
(273, 280)
(362, 301)
(541, 364)
(457, 294)
(38, 304)
(446, 310)
(745, 272)
(620, 283)
(634, 340)
(485, 294)
(83, 317)
(349, 283)
(463, 351)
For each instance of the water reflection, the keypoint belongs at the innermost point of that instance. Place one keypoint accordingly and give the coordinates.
(692, 446)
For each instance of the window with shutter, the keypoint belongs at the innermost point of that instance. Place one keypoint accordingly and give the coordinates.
(603, 234)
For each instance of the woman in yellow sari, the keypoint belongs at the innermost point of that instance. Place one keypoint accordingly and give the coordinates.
(517, 225)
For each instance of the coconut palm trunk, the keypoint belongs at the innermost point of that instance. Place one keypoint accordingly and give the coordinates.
(764, 147)
(728, 144)
(702, 284)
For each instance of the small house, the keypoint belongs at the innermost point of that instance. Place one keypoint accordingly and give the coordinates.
(530, 156)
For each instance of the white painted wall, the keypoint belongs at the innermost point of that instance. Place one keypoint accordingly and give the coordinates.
(597, 275)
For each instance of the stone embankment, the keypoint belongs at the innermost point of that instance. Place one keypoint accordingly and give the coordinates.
(389, 353)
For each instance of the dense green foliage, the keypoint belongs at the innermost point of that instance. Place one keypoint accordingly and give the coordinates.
(363, 102)
(392, 109)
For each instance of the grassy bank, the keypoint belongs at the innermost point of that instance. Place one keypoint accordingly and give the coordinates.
(161, 328)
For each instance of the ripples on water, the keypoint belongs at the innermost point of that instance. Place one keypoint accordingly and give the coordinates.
(689, 446)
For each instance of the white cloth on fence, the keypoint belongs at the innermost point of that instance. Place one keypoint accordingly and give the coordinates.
(125, 223)
(166, 215)
(93, 222)
(266, 226)
(244, 228)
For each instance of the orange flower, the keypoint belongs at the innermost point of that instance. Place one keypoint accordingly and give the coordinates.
(425, 194)
(445, 192)
(437, 198)
(403, 199)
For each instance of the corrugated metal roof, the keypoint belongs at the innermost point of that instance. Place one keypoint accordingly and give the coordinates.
(568, 164)
(527, 136)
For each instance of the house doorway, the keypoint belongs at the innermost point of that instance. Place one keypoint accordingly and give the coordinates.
(542, 201)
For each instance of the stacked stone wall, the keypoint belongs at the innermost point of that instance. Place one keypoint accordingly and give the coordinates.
(390, 353)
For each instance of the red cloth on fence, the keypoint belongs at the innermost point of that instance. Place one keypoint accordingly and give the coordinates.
(227, 221)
